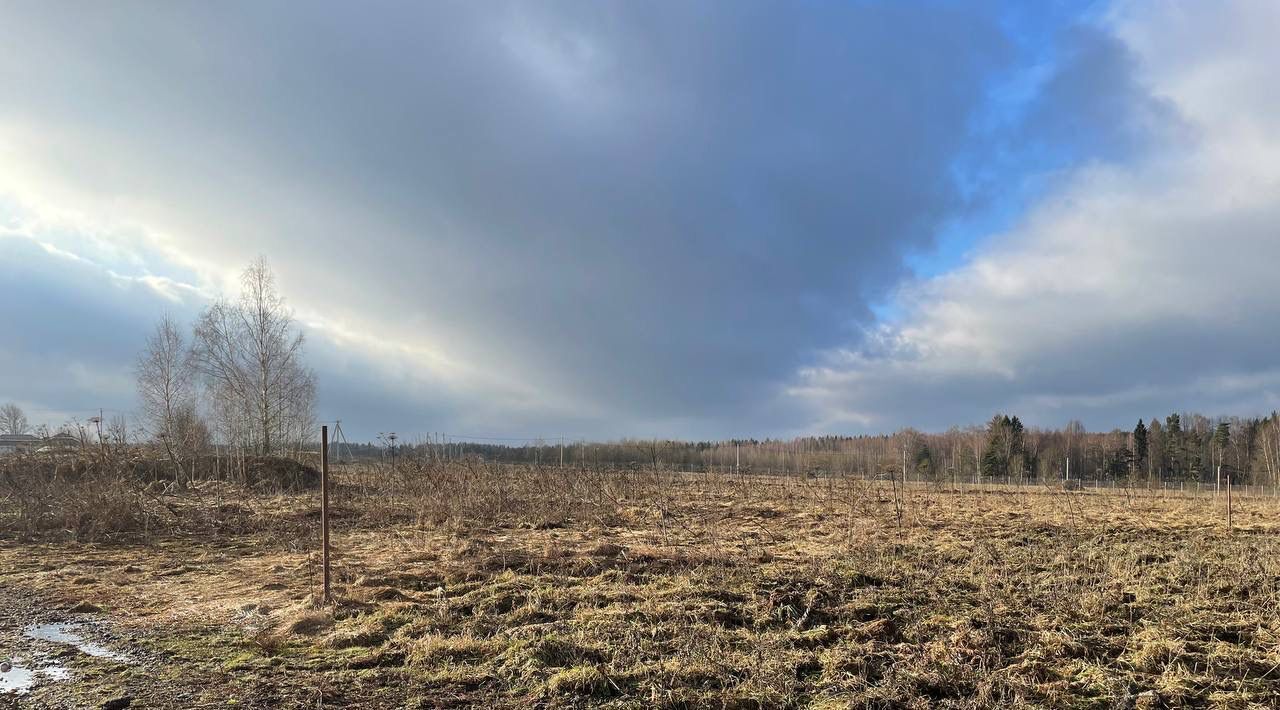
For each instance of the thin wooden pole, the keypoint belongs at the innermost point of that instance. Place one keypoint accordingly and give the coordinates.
(1228, 501)
(324, 506)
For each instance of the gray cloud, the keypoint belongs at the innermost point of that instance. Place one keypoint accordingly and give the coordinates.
(608, 216)
(1095, 104)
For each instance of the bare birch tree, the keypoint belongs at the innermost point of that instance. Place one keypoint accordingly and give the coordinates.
(1269, 446)
(13, 420)
(250, 353)
(168, 394)
(165, 379)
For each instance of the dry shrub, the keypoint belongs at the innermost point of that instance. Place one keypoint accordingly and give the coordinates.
(86, 495)
(125, 490)
(476, 492)
(307, 622)
(267, 642)
(263, 474)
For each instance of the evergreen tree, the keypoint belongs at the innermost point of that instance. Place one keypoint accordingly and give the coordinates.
(992, 461)
(1016, 448)
(1139, 444)
(1118, 462)
(923, 460)
(1174, 444)
(1195, 460)
(1004, 445)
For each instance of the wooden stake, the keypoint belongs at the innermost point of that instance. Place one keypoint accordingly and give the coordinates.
(324, 506)
(1228, 502)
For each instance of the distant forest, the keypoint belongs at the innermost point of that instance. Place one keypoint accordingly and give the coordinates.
(1181, 447)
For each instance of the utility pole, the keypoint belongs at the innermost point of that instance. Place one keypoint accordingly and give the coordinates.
(339, 438)
(98, 421)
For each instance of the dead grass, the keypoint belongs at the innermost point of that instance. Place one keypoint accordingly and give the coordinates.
(635, 589)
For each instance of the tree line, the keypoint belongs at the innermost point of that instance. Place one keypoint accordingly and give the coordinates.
(1182, 447)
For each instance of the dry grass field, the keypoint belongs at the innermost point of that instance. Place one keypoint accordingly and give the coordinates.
(471, 585)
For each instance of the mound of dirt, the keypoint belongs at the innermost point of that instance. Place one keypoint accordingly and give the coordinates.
(276, 473)
(269, 473)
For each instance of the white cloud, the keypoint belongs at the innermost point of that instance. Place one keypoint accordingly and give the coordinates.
(1131, 288)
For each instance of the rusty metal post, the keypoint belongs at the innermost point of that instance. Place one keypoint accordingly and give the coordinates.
(324, 506)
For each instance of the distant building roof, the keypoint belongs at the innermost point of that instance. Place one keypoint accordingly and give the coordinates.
(10, 443)
(18, 438)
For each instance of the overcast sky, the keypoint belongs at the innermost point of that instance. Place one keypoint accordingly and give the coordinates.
(694, 220)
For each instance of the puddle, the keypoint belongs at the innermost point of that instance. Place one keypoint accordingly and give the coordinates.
(64, 633)
(25, 673)
(20, 678)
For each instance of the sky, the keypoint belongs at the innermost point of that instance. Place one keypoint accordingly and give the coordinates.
(687, 220)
